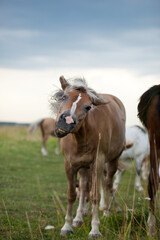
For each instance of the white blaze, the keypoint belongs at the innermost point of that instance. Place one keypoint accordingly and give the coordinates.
(74, 105)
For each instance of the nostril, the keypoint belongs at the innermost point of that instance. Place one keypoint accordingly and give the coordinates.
(62, 117)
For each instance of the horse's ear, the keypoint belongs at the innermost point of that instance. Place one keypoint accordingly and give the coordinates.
(99, 101)
(63, 82)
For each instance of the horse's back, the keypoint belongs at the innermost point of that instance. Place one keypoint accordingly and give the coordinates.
(112, 114)
(140, 140)
(48, 126)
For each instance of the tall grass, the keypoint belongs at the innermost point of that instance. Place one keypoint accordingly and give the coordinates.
(33, 195)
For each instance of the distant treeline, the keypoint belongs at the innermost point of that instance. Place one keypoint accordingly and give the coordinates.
(13, 124)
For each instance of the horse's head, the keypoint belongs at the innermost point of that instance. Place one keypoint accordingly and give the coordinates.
(73, 103)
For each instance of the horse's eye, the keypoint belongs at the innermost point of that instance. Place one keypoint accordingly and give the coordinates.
(87, 107)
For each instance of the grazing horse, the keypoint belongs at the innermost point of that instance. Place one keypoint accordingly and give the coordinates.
(47, 126)
(139, 152)
(149, 114)
(92, 128)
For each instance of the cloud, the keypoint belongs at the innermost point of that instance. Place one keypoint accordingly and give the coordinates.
(129, 48)
(18, 33)
(24, 94)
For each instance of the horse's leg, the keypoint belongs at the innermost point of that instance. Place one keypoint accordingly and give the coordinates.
(86, 205)
(139, 161)
(102, 203)
(97, 173)
(87, 191)
(43, 149)
(118, 209)
(118, 176)
(145, 167)
(71, 197)
(78, 220)
(111, 170)
(57, 149)
(102, 200)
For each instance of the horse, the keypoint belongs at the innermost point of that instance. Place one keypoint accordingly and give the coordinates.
(139, 152)
(92, 131)
(149, 114)
(47, 129)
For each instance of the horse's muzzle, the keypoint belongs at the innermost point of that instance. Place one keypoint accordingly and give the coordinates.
(62, 126)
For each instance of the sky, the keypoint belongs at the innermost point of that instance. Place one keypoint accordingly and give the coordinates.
(114, 45)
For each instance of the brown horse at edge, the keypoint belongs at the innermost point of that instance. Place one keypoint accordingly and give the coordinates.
(149, 114)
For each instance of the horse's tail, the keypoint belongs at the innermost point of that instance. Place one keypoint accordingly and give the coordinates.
(154, 137)
(154, 170)
(33, 126)
(128, 145)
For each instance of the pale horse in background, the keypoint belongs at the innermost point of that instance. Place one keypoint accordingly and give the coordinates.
(139, 152)
(46, 126)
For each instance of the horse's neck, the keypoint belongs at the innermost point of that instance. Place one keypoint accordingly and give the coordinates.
(82, 137)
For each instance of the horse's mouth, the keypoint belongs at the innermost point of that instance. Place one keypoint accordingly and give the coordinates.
(61, 132)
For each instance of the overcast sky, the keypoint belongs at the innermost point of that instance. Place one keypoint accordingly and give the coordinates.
(115, 45)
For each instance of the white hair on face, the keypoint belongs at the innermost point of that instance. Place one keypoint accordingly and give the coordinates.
(74, 105)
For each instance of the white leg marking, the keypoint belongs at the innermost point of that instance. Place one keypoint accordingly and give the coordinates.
(118, 176)
(138, 169)
(67, 228)
(57, 150)
(95, 233)
(138, 183)
(102, 200)
(44, 151)
(79, 216)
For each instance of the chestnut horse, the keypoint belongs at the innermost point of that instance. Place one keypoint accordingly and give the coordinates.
(149, 114)
(47, 126)
(92, 128)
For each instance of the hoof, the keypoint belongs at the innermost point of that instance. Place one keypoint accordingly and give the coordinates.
(77, 223)
(115, 188)
(101, 208)
(65, 232)
(95, 236)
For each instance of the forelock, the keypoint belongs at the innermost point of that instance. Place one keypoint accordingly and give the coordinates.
(77, 84)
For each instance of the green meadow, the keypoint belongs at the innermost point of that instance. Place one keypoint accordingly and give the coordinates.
(33, 195)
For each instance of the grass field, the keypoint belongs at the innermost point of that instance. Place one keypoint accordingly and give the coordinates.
(33, 195)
